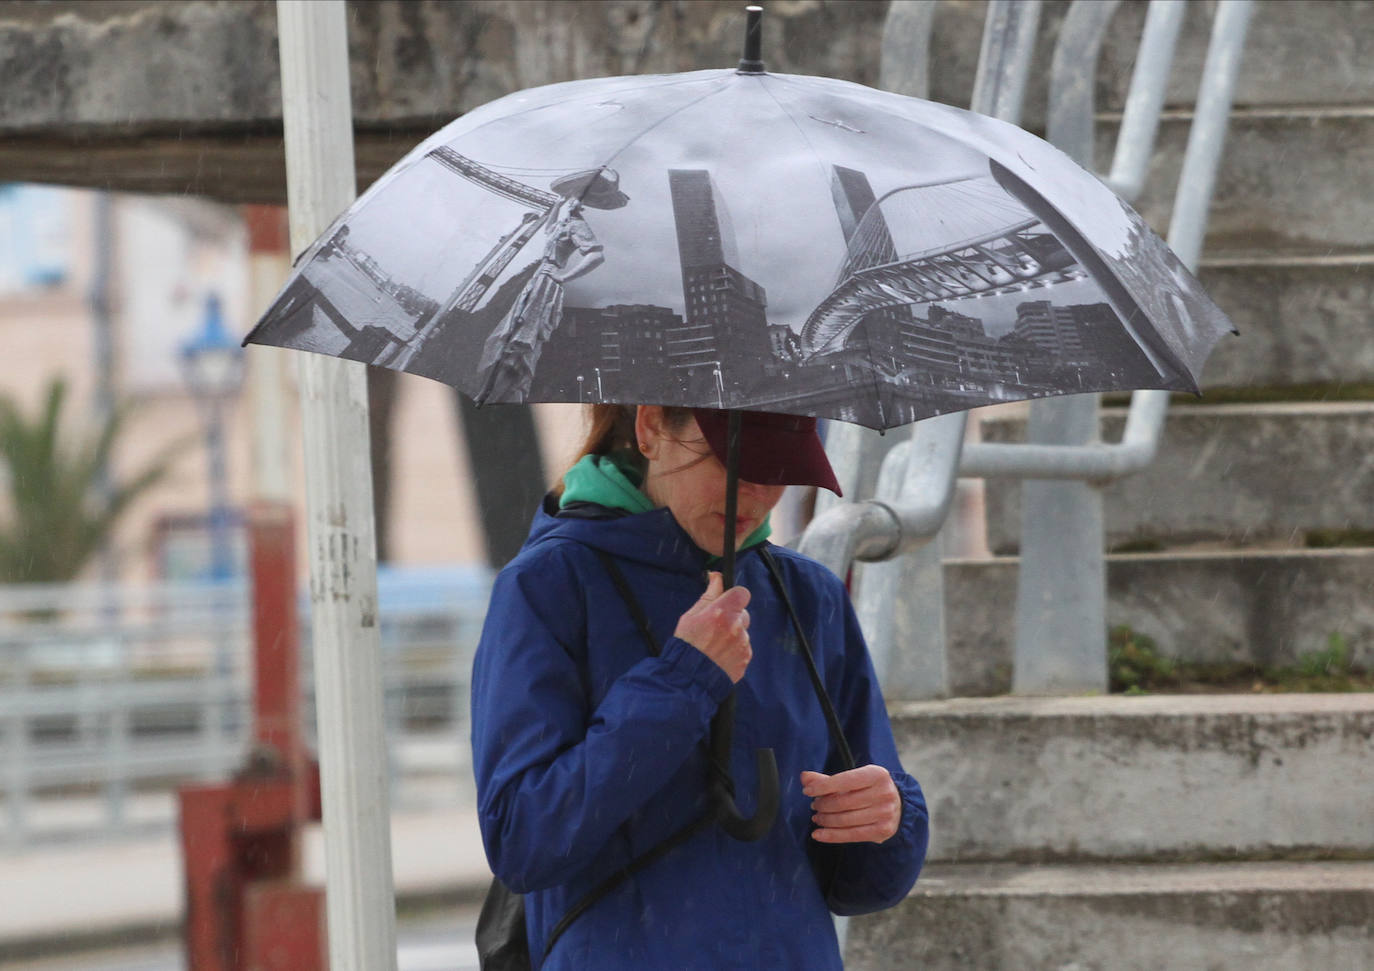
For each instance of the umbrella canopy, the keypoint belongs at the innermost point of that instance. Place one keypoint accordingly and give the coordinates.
(738, 239)
(742, 240)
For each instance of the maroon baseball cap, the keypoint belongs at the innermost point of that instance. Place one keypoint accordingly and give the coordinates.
(773, 449)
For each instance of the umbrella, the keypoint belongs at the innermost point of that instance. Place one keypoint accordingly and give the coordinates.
(748, 241)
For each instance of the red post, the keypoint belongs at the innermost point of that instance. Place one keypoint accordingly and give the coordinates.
(276, 644)
(268, 231)
(284, 928)
(214, 883)
(246, 909)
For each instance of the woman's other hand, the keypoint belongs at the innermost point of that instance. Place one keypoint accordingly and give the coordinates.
(717, 625)
(858, 806)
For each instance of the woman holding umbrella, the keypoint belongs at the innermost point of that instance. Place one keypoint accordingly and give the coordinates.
(608, 647)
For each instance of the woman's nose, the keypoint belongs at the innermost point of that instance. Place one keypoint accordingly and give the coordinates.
(759, 493)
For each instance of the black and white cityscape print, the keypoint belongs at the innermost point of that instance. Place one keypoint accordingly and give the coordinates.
(766, 242)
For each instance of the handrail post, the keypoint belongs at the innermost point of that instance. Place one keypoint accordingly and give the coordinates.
(1207, 135)
(906, 632)
(1061, 587)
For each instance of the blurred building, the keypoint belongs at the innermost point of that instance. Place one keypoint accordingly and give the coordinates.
(105, 289)
(102, 291)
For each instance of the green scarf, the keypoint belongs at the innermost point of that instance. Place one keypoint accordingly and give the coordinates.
(613, 481)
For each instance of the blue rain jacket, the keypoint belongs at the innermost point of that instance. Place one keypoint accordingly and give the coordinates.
(588, 752)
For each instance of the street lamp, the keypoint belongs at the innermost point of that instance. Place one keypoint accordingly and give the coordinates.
(212, 363)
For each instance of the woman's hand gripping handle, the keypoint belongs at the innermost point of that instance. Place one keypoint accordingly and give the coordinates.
(717, 625)
(858, 806)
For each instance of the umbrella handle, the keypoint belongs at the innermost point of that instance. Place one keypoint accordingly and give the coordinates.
(731, 820)
(736, 824)
(748, 830)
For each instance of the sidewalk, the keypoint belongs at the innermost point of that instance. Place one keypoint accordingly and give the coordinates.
(61, 895)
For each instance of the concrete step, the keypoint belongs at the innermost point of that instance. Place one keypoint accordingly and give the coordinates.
(1291, 181)
(1302, 321)
(1262, 607)
(1152, 778)
(1298, 52)
(1308, 52)
(1233, 474)
(1222, 917)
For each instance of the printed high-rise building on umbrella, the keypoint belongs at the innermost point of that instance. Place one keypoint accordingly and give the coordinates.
(631, 339)
(725, 313)
(894, 333)
(879, 334)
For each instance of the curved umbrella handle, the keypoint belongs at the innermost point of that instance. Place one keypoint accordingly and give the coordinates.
(736, 824)
(747, 830)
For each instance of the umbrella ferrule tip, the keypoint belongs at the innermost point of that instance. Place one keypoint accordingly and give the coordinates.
(752, 61)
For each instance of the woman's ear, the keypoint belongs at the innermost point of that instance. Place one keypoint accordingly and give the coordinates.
(649, 428)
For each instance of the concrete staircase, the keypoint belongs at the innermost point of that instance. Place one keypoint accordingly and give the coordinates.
(1268, 607)
(1257, 916)
(1188, 831)
(1185, 831)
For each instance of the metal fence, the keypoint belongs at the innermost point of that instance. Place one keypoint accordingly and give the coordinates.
(111, 696)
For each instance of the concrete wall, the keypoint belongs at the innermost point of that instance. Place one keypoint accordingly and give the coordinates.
(158, 96)
(94, 88)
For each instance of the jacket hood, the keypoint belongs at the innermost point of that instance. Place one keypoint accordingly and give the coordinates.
(601, 496)
(607, 480)
(653, 538)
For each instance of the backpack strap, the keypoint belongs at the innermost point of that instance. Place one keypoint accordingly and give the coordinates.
(831, 719)
(622, 587)
(602, 889)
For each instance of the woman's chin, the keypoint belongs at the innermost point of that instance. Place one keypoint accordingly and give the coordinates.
(715, 544)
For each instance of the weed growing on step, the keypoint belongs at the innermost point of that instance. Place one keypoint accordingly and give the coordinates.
(1134, 663)
(1337, 538)
(1326, 670)
(1138, 546)
(1136, 667)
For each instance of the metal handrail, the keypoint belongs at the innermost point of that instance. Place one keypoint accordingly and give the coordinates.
(880, 529)
(915, 479)
(111, 693)
(1135, 142)
(1104, 462)
(874, 530)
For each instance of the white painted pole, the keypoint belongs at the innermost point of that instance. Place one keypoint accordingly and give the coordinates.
(317, 111)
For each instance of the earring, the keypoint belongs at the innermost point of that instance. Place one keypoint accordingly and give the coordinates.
(644, 448)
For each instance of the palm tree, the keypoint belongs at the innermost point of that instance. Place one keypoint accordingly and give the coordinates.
(57, 517)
